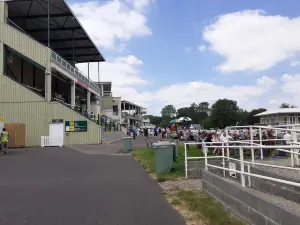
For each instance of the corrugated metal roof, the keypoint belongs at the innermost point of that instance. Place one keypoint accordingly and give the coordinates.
(279, 111)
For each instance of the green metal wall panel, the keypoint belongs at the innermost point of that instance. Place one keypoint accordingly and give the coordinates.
(24, 44)
(21, 42)
(20, 105)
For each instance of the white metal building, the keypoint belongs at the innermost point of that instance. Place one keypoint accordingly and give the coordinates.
(280, 116)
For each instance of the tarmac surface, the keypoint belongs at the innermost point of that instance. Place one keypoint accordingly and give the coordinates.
(61, 186)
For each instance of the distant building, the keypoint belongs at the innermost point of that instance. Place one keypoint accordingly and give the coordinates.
(195, 126)
(146, 123)
(283, 116)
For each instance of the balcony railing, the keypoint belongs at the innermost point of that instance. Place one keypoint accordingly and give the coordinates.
(107, 93)
(76, 72)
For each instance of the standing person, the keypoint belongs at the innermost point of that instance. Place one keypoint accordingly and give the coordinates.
(146, 135)
(134, 133)
(155, 131)
(159, 133)
(4, 141)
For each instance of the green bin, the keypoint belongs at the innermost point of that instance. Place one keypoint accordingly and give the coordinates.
(127, 147)
(165, 155)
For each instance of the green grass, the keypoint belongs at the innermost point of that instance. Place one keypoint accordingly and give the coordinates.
(203, 208)
(146, 156)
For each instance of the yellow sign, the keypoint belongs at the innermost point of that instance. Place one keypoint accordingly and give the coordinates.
(1, 119)
(72, 126)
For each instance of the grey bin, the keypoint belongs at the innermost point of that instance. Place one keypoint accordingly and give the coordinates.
(127, 146)
(165, 154)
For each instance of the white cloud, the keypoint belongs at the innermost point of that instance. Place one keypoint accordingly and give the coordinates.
(140, 5)
(266, 82)
(295, 63)
(112, 22)
(202, 48)
(184, 94)
(252, 40)
(122, 71)
(288, 92)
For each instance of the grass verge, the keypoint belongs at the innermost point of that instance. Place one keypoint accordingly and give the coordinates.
(146, 157)
(198, 208)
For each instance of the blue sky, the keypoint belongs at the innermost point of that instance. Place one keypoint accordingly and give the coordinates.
(250, 50)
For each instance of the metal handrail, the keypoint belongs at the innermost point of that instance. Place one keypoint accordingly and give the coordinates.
(58, 59)
(243, 162)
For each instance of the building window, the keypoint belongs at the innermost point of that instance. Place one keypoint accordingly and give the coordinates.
(298, 119)
(285, 120)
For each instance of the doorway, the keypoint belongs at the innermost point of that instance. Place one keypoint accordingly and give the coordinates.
(56, 134)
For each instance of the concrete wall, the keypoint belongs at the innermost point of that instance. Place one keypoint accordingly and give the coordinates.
(20, 105)
(247, 203)
(106, 102)
(288, 192)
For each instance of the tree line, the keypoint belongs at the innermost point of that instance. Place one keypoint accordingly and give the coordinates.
(224, 112)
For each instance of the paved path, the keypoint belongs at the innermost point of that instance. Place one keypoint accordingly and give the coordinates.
(60, 186)
(114, 148)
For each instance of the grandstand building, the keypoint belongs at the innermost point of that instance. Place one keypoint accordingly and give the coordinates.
(40, 85)
(132, 114)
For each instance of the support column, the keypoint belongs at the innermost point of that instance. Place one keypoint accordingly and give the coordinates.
(48, 78)
(2, 56)
(73, 94)
(48, 86)
(120, 110)
(88, 102)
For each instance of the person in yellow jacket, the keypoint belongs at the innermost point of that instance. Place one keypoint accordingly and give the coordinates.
(4, 140)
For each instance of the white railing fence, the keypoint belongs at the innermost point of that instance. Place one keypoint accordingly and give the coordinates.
(47, 141)
(291, 149)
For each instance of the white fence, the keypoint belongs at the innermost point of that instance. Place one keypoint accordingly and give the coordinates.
(244, 162)
(252, 145)
(47, 141)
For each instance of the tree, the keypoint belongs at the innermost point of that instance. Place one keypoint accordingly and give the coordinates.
(224, 113)
(243, 117)
(168, 111)
(286, 105)
(182, 112)
(255, 119)
(155, 120)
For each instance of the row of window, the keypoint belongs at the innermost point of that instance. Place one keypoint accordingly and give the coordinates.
(280, 120)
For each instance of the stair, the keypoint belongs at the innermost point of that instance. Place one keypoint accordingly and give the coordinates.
(254, 206)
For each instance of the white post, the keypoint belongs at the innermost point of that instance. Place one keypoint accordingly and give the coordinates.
(242, 167)
(205, 158)
(223, 160)
(294, 136)
(260, 142)
(185, 162)
(251, 138)
(292, 157)
(88, 102)
(73, 94)
(249, 177)
(227, 150)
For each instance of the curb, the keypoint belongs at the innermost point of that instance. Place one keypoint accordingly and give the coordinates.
(111, 141)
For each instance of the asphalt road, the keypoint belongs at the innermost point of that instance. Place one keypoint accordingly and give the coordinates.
(54, 186)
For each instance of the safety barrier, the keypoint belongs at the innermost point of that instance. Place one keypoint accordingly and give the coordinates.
(47, 141)
(244, 162)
